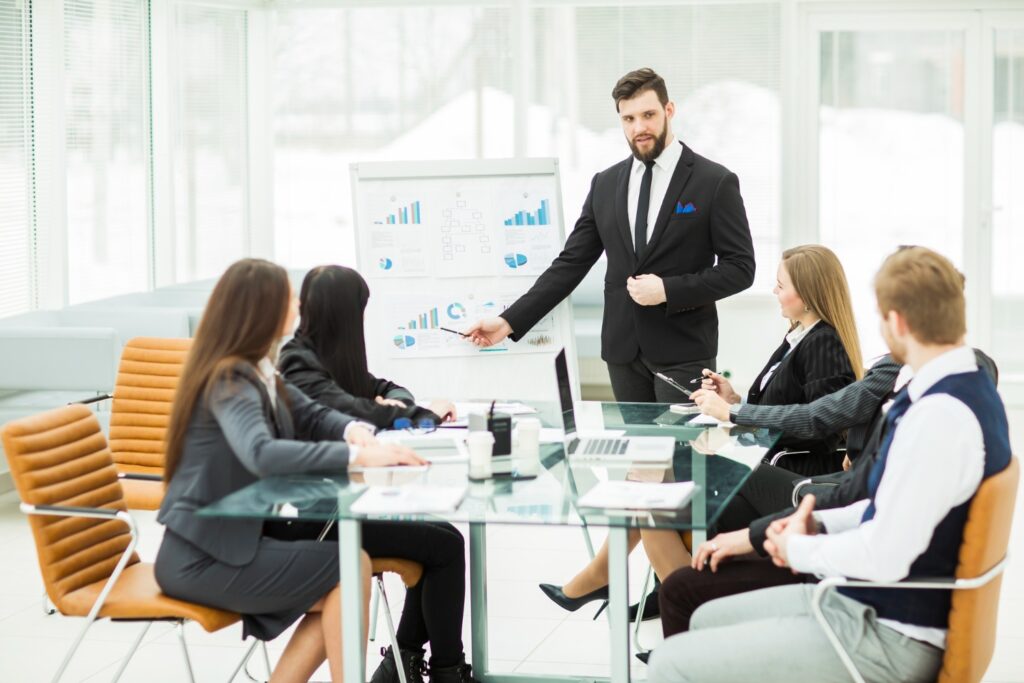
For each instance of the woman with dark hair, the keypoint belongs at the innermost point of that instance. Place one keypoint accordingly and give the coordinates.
(327, 357)
(234, 421)
(327, 360)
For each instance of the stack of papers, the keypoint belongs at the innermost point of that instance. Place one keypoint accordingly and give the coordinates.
(637, 495)
(409, 499)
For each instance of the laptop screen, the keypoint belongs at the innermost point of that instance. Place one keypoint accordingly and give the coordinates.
(565, 393)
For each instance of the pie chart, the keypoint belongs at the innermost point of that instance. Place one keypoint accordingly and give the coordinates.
(386, 264)
(514, 261)
(456, 311)
(404, 341)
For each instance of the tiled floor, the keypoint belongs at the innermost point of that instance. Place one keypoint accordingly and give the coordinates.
(528, 634)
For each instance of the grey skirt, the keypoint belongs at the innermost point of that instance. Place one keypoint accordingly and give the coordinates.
(272, 592)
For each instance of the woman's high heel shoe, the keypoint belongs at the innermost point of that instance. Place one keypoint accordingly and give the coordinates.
(559, 597)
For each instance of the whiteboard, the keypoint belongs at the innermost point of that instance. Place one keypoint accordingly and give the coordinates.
(443, 243)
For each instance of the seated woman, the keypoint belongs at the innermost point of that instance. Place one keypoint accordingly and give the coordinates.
(327, 357)
(327, 360)
(233, 422)
(819, 355)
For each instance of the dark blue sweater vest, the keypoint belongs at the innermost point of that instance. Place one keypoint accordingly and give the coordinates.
(931, 607)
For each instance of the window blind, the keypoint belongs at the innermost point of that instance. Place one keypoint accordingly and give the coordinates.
(15, 157)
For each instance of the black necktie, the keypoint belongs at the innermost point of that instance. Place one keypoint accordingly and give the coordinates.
(642, 205)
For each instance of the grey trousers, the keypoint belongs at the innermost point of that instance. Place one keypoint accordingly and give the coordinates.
(771, 635)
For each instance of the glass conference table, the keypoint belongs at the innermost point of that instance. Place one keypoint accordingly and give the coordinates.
(717, 458)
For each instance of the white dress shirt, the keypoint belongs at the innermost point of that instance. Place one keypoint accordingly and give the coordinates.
(935, 463)
(661, 175)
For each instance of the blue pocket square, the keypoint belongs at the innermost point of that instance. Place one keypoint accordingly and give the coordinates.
(689, 208)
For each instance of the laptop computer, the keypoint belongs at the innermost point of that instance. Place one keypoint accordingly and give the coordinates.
(635, 449)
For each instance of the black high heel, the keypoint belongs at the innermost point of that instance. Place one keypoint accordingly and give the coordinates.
(559, 597)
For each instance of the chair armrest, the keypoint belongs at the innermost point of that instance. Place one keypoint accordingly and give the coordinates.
(94, 513)
(775, 458)
(138, 476)
(94, 399)
(801, 485)
(939, 583)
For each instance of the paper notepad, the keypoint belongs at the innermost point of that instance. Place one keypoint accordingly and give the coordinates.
(409, 499)
(638, 495)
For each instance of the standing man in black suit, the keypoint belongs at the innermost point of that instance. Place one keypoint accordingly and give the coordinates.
(676, 234)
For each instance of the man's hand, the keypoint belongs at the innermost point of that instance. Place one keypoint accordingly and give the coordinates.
(800, 523)
(711, 404)
(646, 290)
(384, 455)
(488, 332)
(721, 548)
(389, 402)
(359, 436)
(847, 463)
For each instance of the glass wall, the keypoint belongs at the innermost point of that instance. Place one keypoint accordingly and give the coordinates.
(106, 139)
(891, 157)
(210, 163)
(1008, 200)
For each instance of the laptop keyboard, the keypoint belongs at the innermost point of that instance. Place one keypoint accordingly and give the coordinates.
(605, 446)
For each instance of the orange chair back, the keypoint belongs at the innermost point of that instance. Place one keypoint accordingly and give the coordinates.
(60, 457)
(972, 618)
(146, 381)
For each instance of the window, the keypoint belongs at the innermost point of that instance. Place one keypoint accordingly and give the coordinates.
(107, 133)
(891, 157)
(15, 214)
(436, 84)
(209, 140)
(721, 65)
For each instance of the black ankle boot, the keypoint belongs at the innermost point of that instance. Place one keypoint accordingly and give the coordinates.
(387, 672)
(460, 673)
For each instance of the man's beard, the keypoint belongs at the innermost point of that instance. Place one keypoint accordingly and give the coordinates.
(656, 149)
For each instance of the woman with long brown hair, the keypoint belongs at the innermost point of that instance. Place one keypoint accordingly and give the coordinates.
(234, 420)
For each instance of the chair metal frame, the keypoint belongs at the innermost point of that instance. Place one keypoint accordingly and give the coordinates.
(934, 584)
(124, 517)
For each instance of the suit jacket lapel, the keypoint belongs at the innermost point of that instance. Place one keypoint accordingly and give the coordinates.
(679, 177)
(621, 206)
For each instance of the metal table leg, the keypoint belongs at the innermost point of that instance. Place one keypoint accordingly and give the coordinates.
(478, 597)
(618, 602)
(699, 506)
(350, 544)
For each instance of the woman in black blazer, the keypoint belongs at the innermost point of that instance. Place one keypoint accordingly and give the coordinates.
(819, 355)
(234, 421)
(326, 358)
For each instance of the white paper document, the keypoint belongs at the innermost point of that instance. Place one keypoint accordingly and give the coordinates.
(409, 499)
(464, 408)
(708, 420)
(636, 495)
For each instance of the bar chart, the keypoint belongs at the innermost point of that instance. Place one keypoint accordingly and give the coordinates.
(406, 215)
(542, 216)
(425, 321)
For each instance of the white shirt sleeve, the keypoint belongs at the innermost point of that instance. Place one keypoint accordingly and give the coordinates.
(935, 463)
(842, 519)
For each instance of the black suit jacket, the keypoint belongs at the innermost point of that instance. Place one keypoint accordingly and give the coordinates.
(818, 366)
(702, 256)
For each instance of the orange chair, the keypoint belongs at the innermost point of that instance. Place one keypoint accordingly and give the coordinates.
(971, 638)
(144, 391)
(85, 538)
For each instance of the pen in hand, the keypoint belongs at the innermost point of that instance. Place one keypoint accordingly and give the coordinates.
(446, 329)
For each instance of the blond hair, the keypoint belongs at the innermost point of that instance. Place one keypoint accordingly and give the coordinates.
(927, 290)
(819, 279)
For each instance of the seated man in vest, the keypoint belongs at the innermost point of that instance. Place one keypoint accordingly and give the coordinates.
(947, 432)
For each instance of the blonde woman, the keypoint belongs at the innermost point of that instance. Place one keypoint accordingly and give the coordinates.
(820, 354)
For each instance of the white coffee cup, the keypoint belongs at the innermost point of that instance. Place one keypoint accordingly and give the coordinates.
(481, 448)
(528, 445)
